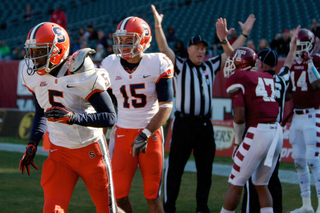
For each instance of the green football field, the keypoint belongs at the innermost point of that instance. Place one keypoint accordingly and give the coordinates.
(23, 193)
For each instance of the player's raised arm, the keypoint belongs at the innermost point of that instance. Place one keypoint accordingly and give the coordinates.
(160, 36)
(223, 32)
(246, 29)
(291, 55)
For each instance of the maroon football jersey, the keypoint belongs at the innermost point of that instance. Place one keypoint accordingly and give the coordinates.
(259, 95)
(304, 96)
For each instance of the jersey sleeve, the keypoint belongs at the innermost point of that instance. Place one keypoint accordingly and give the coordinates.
(100, 84)
(285, 74)
(215, 63)
(235, 83)
(166, 67)
(178, 65)
(28, 80)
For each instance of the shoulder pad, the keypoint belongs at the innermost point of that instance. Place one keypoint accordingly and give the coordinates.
(79, 62)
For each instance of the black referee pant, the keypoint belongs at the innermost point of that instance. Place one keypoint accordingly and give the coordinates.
(250, 202)
(190, 133)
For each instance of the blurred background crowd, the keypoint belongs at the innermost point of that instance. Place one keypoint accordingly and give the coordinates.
(90, 23)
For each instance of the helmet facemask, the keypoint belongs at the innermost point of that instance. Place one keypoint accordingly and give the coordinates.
(303, 47)
(52, 52)
(229, 67)
(135, 48)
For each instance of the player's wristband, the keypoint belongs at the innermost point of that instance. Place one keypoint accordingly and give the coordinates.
(147, 132)
(312, 72)
(238, 132)
(244, 35)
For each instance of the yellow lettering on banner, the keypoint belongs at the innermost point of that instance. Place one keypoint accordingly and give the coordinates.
(26, 125)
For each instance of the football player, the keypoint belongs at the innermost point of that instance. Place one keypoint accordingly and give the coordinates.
(72, 105)
(305, 126)
(255, 109)
(267, 60)
(142, 85)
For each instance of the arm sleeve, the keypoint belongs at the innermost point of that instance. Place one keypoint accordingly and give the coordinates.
(164, 90)
(237, 99)
(39, 125)
(105, 115)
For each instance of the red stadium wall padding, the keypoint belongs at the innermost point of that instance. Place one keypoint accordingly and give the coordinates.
(8, 83)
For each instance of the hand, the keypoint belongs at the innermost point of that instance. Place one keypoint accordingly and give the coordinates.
(305, 56)
(27, 158)
(222, 30)
(295, 36)
(235, 149)
(140, 144)
(61, 115)
(157, 18)
(247, 26)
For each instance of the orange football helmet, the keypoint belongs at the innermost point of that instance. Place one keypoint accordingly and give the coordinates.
(136, 28)
(242, 58)
(55, 39)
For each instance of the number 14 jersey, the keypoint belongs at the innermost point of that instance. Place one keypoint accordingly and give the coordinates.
(304, 96)
(136, 92)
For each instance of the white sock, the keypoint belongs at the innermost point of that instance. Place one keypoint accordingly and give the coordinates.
(304, 180)
(266, 210)
(226, 211)
(306, 202)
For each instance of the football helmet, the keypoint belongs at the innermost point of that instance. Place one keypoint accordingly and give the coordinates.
(140, 32)
(242, 58)
(54, 39)
(305, 43)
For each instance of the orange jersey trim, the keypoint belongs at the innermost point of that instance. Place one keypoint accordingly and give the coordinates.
(29, 89)
(167, 74)
(93, 92)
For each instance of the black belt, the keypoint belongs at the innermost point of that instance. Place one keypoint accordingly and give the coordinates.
(192, 117)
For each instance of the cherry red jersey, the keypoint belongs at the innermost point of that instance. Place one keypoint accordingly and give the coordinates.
(258, 89)
(304, 96)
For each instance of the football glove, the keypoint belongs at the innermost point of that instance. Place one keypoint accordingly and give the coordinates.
(305, 56)
(27, 158)
(61, 115)
(140, 143)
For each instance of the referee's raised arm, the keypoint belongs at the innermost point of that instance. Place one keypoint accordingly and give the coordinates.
(160, 36)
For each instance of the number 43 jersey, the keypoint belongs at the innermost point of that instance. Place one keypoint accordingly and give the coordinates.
(136, 92)
(258, 89)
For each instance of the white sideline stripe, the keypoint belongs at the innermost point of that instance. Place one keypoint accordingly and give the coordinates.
(217, 169)
(20, 148)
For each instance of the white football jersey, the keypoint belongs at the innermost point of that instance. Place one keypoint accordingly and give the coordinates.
(136, 92)
(71, 92)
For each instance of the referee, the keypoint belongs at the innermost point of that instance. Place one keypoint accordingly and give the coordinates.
(192, 128)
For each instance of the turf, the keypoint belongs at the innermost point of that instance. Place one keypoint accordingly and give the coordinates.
(23, 193)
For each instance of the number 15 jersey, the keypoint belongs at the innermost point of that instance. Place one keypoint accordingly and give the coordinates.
(136, 92)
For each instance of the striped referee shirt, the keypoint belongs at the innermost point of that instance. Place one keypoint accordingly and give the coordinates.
(282, 81)
(193, 85)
